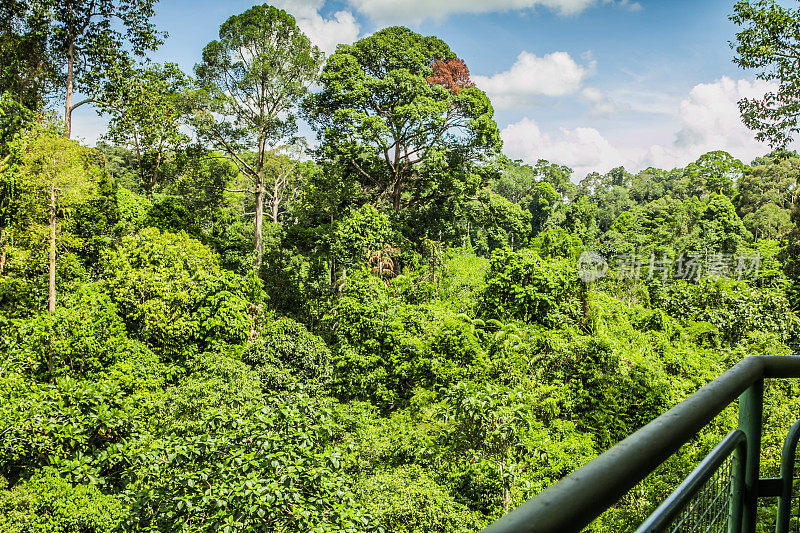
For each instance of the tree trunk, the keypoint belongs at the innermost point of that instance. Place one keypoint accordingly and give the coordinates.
(584, 296)
(396, 196)
(51, 300)
(154, 178)
(257, 239)
(70, 88)
(506, 490)
(332, 272)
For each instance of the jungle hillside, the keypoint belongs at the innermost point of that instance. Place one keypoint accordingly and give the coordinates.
(210, 321)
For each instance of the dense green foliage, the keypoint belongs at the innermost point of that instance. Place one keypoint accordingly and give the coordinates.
(767, 42)
(421, 349)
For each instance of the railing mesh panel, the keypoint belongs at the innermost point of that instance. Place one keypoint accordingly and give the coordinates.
(707, 511)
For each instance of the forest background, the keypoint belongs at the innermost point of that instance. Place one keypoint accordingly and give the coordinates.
(207, 325)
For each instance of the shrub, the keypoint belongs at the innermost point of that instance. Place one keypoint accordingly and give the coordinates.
(81, 337)
(50, 504)
(524, 286)
(288, 357)
(175, 297)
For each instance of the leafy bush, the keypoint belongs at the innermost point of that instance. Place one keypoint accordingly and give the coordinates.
(463, 279)
(265, 469)
(133, 210)
(523, 286)
(81, 337)
(174, 296)
(82, 429)
(408, 500)
(50, 504)
(288, 357)
(169, 214)
(384, 349)
(361, 232)
(732, 307)
(217, 383)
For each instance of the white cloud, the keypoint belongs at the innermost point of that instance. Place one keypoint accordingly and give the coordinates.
(582, 149)
(555, 74)
(647, 102)
(300, 8)
(631, 6)
(326, 33)
(707, 119)
(710, 115)
(602, 105)
(418, 10)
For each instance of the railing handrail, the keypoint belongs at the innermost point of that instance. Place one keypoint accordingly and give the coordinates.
(576, 500)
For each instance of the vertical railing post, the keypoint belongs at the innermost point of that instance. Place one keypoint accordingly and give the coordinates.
(750, 412)
(738, 471)
(788, 458)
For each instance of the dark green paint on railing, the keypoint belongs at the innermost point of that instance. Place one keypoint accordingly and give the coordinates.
(572, 503)
(787, 477)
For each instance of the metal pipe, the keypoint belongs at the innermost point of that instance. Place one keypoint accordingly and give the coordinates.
(738, 473)
(572, 503)
(788, 455)
(751, 405)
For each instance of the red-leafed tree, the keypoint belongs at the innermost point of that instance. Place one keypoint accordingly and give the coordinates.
(395, 112)
(452, 73)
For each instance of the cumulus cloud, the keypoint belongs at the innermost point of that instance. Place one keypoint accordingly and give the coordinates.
(530, 76)
(418, 10)
(706, 119)
(582, 149)
(709, 120)
(342, 28)
(710, 115)
(326, 33)
(601, 105)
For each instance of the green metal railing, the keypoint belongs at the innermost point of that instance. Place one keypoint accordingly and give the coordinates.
(787, 520)
(708, 499)
(720, 495)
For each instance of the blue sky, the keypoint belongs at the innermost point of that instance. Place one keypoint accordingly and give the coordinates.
(588, 83)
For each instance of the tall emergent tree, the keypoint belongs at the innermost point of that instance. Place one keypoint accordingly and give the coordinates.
(399, 110)
(49, 167)
(29, 73)
(86, 37)
(770, 42)
(714, 172)
(253, 76)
